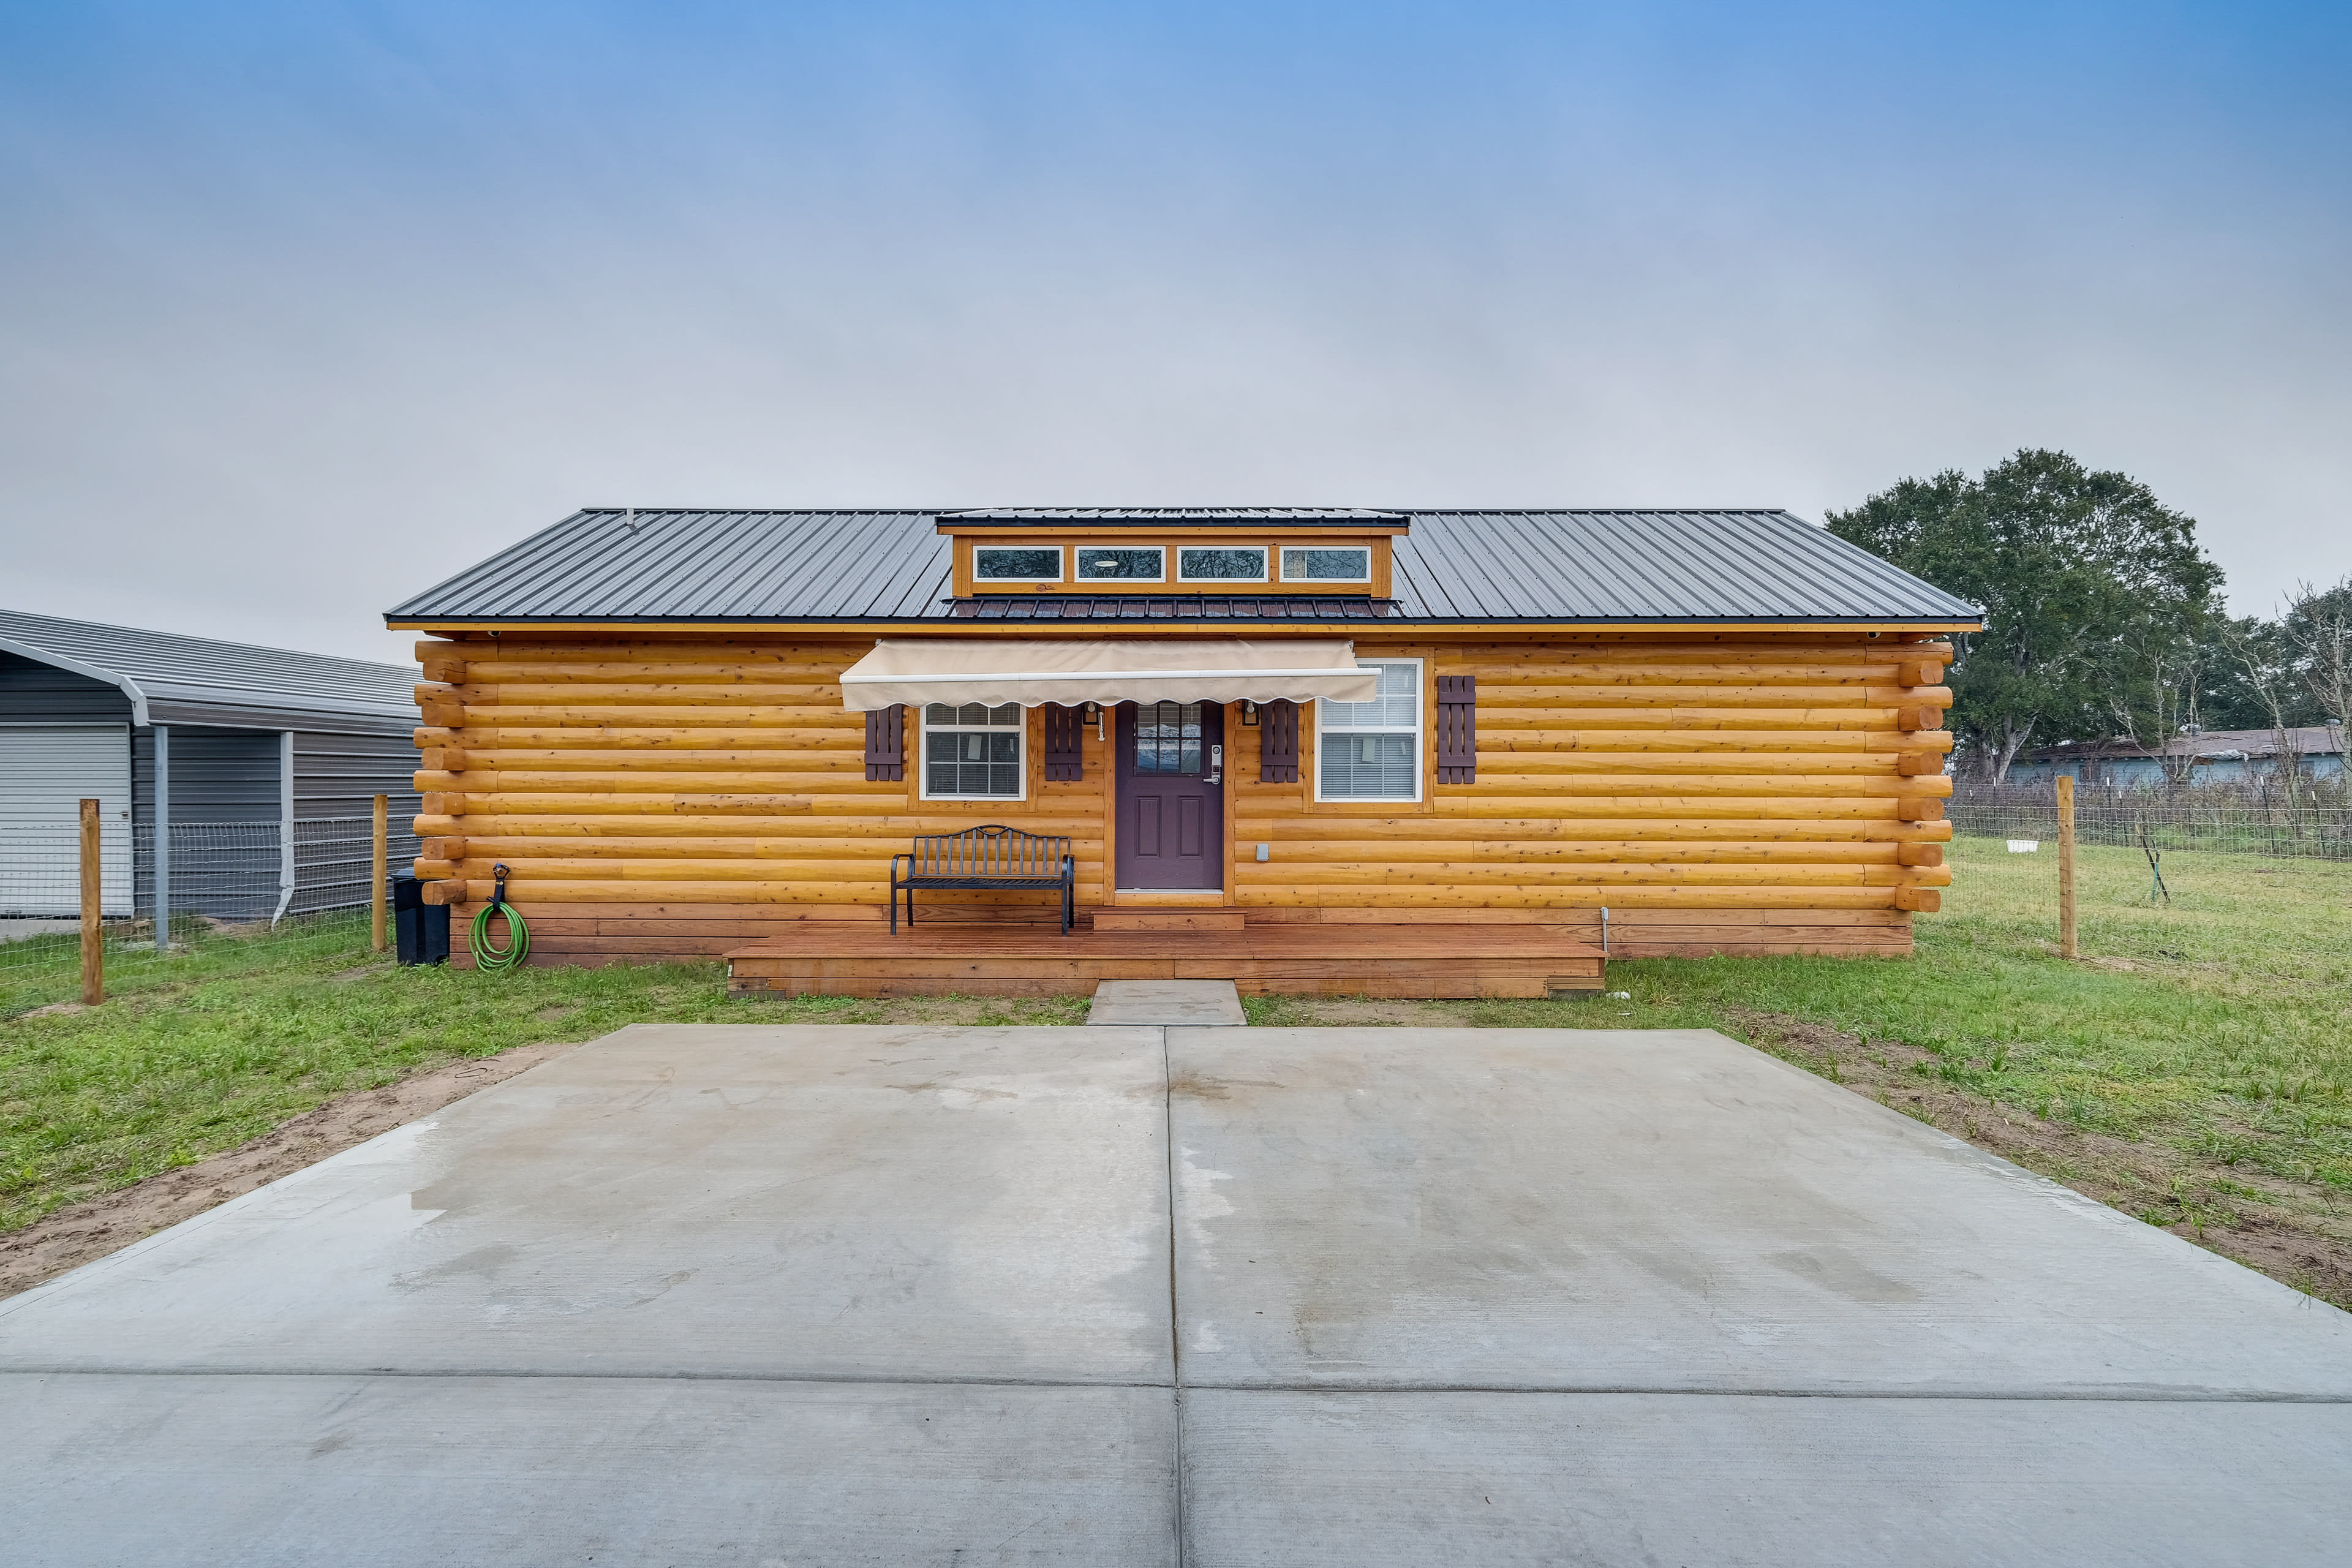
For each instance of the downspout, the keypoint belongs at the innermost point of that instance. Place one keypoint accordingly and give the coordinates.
(285, 825)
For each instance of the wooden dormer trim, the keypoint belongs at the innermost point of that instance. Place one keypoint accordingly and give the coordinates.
(1238, 529)
(1379, 587)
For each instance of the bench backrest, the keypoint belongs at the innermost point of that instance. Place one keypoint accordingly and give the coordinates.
(994, 850)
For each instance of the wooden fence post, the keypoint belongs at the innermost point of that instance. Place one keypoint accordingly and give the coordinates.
(377, 869)
(2066, 945)
(93, 912)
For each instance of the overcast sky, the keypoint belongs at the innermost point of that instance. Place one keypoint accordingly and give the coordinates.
(309, 305)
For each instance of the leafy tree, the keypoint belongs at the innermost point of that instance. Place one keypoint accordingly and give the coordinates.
(2095, 595)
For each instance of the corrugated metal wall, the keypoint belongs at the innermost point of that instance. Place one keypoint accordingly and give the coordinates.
(222, 777)
(38, 864)
(218, 775)
(340, 775)
(32, 692)
(46, 772)
(336, 779)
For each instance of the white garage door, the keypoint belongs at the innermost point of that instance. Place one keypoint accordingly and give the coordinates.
(46, 772)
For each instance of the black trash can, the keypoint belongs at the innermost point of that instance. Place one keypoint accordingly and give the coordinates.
(420, 930)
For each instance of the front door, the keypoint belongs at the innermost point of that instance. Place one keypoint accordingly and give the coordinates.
(1171, 796)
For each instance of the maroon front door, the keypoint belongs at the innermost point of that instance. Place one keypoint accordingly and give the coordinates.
(1171, 796)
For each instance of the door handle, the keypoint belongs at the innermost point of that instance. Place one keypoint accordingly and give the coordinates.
(1216, 765)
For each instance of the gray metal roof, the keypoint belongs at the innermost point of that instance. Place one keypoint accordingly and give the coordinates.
(891, 566)
(194, 681)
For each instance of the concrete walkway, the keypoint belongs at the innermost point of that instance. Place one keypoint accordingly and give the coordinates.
(812, 1296)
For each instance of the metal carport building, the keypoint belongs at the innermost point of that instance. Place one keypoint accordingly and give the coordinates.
(253, 768)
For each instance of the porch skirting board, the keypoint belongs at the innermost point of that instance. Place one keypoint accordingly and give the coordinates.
(846, 958)
(648, 933)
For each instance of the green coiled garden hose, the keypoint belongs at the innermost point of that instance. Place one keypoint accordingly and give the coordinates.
(486, 956)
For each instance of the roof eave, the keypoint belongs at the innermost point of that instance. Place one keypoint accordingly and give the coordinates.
(959, 623)
(128, 686)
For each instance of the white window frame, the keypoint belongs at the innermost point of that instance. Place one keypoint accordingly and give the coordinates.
(1365, 548)
(1266, 558)
(1077, 559)
(922, 750)
(1420, 732)
(1061, 559)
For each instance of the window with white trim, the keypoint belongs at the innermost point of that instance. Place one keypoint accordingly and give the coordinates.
(1221, 563)
(972, 752)
(1371, 750)
(1327, 563)
(1016, 563)
(1122, 563)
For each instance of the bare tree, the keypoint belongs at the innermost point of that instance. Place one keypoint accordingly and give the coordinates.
(2319, 627)
(2248, 643)
(2154, 701)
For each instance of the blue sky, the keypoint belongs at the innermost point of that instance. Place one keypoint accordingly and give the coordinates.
(307, 306)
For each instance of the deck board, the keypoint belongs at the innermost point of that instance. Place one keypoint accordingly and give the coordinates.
(860, 958)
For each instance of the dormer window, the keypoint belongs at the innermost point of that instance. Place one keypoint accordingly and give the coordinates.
(1202, 562)
(1221, 563)
(1327, 563)
(1017, 563)
(1122, 564)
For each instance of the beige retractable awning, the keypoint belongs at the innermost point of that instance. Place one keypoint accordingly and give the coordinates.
(1125, 669)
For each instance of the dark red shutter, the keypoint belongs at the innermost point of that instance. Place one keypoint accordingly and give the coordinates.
(886, 745)
(1065, 742)
(1277, 742)
(1457, 729)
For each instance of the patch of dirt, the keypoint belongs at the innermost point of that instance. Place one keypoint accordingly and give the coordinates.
(55, 1008)
(2299, 1234)
(71, 1236)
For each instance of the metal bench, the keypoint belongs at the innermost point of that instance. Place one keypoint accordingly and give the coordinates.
(992, 856)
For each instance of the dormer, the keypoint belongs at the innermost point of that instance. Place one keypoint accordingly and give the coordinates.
(1173, 551)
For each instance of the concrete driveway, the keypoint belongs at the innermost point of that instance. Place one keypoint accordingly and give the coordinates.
(812, 1296)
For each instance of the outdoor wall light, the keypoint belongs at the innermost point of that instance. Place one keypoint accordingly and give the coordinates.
(1249, 712)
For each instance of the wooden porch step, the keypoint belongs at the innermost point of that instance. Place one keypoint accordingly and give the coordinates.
(859, 959)
(1167, 920)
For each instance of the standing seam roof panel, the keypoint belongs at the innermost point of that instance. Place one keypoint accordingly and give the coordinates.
(1490, 564)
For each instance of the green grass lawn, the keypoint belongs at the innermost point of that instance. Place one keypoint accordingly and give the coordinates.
(2210, 1034)
(2222, 1020)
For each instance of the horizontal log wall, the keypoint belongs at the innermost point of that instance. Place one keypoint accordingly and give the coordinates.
(1742, 791)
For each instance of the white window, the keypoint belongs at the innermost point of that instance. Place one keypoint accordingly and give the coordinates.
(1327, 563)
(1122, 564)
(973, 752)
(1016, 562)
(1371, 750)
(1221, 563)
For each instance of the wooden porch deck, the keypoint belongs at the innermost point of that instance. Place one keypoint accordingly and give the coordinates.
(847, 958)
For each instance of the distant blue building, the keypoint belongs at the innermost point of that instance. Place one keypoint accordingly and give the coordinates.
(2211, 756)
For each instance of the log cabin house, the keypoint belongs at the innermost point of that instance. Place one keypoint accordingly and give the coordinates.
(1405, 753)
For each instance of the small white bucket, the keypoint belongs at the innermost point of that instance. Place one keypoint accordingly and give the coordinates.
(2024, 845)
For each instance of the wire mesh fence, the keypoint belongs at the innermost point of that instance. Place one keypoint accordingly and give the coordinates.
(2231, 821)
(242, 883)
